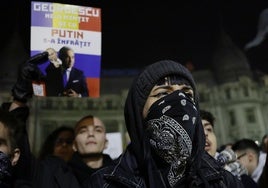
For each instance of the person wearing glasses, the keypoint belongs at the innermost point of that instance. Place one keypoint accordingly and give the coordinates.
(58, 143)
(247, 152)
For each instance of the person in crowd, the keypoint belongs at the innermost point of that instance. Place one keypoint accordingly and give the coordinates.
(264, 143)
(64, 79)
(208, 124)
(89, 144)
(226, 157)
(58, 143)
(22, 173)
(11, 133)
(52, 171)
(263, 180)
(167, 137)
(262, 158)
(247, 152)
(30, 172)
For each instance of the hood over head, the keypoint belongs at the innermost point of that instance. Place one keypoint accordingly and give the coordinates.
(137, 96)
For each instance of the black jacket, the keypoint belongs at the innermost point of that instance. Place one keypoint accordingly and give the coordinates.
(29, 172)
(21, 173)
(53, 172)
(81, 170)
(248, 182)
(125, 174)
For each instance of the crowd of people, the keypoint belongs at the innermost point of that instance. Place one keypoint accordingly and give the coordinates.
(230, 158)
(172, 141)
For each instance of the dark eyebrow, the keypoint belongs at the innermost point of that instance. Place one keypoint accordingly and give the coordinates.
(3, 140)
(188, 86)
(169, 86)
(162, 87)
(80, 127)
(207, 124)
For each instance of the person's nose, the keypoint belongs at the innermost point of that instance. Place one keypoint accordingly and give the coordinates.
(90, 132)
(206, 132)
(64, 144)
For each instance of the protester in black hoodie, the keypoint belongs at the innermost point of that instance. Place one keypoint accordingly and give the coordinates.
(167, 136)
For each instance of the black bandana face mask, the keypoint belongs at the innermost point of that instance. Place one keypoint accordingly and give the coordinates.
(170, 127)
(5, 169)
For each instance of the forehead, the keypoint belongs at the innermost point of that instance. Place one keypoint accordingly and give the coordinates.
(70, 52)
(65, 134)
(206, 124)
(89, 121)
(173, 80)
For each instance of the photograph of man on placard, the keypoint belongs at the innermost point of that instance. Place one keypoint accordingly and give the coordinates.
(71, 34)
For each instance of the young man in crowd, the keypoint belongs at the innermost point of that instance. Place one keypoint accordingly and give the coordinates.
(89, 144)
(227, 157)
(247, 152)
(11, 133)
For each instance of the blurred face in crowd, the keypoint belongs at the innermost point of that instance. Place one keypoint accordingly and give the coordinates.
(90, 137)
(211, 140)
(248, 158)
(265, 142)
(63, 145)
(6, 146)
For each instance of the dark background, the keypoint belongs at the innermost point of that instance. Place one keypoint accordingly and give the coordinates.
(135, 33)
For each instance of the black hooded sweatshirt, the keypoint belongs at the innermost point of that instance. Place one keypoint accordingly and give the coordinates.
(137, 167)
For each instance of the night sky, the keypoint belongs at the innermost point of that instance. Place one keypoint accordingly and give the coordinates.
(135, 33)
(180, 31)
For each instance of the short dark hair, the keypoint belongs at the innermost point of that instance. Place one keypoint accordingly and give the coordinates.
(206, 115)
(15, 128)
(244, 144)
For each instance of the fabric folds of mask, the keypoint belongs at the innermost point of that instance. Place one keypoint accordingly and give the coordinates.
(178, 106)
(170, 127)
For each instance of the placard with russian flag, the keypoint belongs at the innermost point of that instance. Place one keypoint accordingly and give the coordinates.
(54, 25)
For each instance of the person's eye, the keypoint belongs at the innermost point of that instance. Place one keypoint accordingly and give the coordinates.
(160, 94)
(81, 131)
(3, 143)
(99, 130)
(209, 130)
(190, 94)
